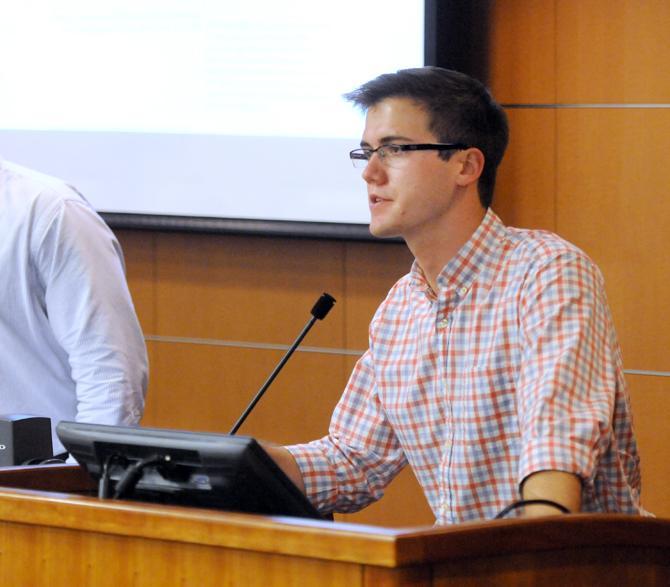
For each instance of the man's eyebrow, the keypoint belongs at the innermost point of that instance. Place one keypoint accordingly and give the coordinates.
(387, 140)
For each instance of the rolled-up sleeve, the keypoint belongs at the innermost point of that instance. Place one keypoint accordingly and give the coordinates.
(351, 466)
(568, 381)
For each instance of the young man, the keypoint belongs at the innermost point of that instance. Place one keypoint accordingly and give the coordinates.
(72, 346)
(493, 367)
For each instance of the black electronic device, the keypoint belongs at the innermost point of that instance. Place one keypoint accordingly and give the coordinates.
(24, 439)
(180, 467)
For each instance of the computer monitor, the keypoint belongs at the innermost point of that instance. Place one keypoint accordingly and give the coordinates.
(180, 467)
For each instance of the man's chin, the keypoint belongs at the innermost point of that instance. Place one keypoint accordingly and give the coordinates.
(381, 231)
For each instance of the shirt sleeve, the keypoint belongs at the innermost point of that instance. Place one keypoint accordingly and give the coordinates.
(80, 265)
(350, 468)
(568, 381)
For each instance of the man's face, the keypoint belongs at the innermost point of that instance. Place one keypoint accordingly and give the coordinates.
(412, 195)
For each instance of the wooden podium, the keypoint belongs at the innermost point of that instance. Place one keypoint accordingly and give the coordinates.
(52, 534)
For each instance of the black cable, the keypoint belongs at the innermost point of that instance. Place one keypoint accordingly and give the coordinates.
(103, 483)
(49, 461)
(132, 475)
(58, 459)
(525, 502)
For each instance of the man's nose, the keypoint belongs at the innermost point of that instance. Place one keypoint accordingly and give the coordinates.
(374, 170)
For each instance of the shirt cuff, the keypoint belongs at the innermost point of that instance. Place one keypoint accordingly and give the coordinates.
(317, 473)
(554, 454)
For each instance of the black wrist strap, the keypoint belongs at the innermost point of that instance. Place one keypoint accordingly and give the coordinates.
(524, 502)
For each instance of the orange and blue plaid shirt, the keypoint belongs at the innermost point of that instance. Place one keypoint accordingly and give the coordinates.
(510, 368)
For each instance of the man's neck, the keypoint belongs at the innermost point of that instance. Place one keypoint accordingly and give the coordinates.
(433, 251)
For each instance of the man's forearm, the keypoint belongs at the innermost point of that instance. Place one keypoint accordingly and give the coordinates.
(286, 463)
(558, 486)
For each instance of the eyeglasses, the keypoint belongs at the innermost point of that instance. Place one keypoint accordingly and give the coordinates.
(392, 154)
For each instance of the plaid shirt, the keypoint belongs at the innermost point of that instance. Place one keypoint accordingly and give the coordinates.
(511, 368)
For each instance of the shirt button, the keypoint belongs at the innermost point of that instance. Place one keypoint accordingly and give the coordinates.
(463, 291)
(443, 323)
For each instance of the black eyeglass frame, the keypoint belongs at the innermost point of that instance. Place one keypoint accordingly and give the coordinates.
(363, 154)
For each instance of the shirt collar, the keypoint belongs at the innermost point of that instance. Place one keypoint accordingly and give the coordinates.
(475, 258)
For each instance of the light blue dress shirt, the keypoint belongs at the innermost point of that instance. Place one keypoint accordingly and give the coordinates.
(72, 347)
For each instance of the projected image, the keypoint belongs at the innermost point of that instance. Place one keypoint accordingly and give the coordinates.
(202, 108)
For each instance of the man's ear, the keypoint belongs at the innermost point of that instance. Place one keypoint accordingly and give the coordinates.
(472, 165)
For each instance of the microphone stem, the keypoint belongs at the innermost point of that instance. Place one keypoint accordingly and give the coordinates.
(272, 376)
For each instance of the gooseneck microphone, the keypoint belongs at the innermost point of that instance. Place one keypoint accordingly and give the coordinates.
(319, 312)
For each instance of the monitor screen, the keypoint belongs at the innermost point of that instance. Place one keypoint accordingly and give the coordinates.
(180, 467)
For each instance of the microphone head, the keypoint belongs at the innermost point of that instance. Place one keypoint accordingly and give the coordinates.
(323, 306)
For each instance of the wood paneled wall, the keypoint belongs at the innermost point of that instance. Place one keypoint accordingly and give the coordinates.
(587, 160)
